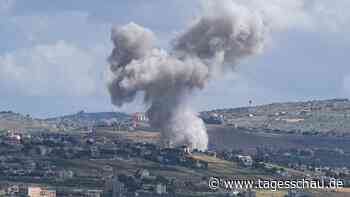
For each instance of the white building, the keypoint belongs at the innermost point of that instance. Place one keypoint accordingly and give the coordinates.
(247, 161)
(41, 192)
(140, 116)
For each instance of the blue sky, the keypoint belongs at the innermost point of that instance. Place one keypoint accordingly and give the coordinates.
(53, 53)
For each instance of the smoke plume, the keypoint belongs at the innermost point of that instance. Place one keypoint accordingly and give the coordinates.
(214, 43)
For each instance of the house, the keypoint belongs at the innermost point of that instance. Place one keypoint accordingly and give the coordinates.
(213, 118)
(41, 192)
(108, 168)
(140, 116)
(143, 174)
(186, 149)
(246, 161)
(94, 151)
(282, 173)
(294, 193)
(118, 188)
(65, 174)
(201, 164)
(303, 167)
(319, 172)
(13, 190)
(161, 189)
(94, 193)
(12, 139)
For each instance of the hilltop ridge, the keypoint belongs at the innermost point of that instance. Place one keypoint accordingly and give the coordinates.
(326, 117)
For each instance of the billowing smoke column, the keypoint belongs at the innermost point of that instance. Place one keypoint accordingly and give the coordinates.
(214, 42)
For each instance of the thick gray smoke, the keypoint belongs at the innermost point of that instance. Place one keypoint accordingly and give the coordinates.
(218, 40)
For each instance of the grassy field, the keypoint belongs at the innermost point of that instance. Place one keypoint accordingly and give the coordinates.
(216, 167)
(222, 137)
(222, 168)
(266, 193)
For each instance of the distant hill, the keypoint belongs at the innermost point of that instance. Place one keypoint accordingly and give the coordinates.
(85, 119)
(318, 117)
(14, 121)
(325, 117)
(92, 116)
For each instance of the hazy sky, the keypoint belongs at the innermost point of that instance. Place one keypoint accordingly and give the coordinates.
(53, 53)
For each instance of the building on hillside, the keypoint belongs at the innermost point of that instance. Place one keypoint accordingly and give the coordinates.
(13, 190)
(113, 187)
(161, 189)
(246, 161)
(295, 193)
(213, 118)
(34, 191)
(118, 188)
(144, 174)
(140, 116)
(186, 149)
(94, 193)
(65, 174)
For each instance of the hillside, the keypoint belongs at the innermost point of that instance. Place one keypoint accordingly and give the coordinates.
(19, 122)
(323, 117)
(326, 117)
(83, 120)
(90, 117)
